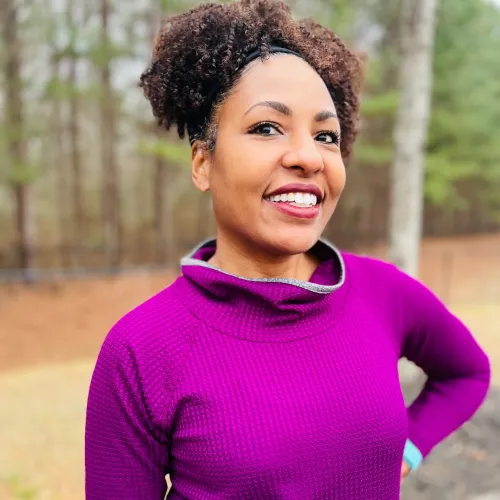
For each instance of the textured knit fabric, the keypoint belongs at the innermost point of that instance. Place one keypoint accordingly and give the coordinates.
(276, 389)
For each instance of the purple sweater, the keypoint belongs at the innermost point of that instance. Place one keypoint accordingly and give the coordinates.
(274, 388)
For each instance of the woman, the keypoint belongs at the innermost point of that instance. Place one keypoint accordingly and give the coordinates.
(269, 368)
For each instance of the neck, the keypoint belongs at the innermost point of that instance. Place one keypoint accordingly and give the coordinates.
(267, 309)
(250, 262)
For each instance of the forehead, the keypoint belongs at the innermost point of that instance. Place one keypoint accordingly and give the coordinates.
(282, 77)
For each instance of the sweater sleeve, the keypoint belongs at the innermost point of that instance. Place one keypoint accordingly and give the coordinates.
(458, 370)
(125, 455)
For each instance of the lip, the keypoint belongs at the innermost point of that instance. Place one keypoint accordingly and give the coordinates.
(299, 188)
(296, 212)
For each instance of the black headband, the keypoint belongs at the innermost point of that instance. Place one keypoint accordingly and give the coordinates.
(273, 49)
(195, 131)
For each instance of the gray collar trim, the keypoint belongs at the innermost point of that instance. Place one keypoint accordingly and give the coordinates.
(188, 260)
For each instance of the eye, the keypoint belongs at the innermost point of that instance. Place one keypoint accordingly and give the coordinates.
(329, 137)
(265, 128)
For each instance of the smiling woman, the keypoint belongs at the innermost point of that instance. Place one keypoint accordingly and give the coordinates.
(269, 368)
(253, 132)
(269, 141)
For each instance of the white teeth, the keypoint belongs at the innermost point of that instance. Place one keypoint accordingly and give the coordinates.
(298, 199)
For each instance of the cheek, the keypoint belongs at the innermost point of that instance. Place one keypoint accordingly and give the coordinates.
(335, 178)
(239, 176)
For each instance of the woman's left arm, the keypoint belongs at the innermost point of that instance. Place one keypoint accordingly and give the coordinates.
(457, 368)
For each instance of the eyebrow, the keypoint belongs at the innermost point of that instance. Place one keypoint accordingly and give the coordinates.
(282, 108)
(324, 115)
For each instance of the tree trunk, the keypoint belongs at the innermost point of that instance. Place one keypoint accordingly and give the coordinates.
(406, 208)
(111, 208)
(163, 209)
(79, 222)
(161, 212)
(415, 78)
(57, 141)
(25, 221)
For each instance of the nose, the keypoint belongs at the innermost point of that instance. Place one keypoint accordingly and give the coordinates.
(304, 155)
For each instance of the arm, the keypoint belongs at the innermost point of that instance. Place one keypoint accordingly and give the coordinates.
(457, 368)
(125, 455)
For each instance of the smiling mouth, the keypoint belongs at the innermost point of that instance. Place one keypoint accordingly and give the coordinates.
(301, 200)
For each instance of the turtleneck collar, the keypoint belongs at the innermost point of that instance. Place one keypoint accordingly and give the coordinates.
(264, 309)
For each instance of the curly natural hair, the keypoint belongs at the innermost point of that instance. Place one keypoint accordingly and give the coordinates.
(206, 47)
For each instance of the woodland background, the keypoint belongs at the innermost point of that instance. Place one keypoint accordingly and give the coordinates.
(88, 181)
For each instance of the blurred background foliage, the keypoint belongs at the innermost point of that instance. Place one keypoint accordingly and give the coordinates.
(87, 180)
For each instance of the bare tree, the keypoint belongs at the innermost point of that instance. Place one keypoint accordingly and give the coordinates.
(25, 217)
(111, 205)
(163, 216)
(57, 150)
(74, 136)
(417, 26)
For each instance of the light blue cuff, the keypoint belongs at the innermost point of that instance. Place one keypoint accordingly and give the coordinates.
(412, 455)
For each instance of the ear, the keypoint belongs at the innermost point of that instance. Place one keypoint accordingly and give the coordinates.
(200, 166)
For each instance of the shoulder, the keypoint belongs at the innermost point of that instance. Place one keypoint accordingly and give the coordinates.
(154, 338)
(142, 359)
(373, 285)
(371, 271)
(161, 318)
(384, 277)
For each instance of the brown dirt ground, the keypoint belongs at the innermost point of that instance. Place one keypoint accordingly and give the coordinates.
(62, 321)
(50, 335)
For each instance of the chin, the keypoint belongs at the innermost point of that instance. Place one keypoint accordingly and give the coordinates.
(292, 242)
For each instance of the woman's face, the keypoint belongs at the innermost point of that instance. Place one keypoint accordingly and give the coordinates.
(276, 173)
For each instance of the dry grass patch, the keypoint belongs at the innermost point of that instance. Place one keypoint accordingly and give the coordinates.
(41, 430)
